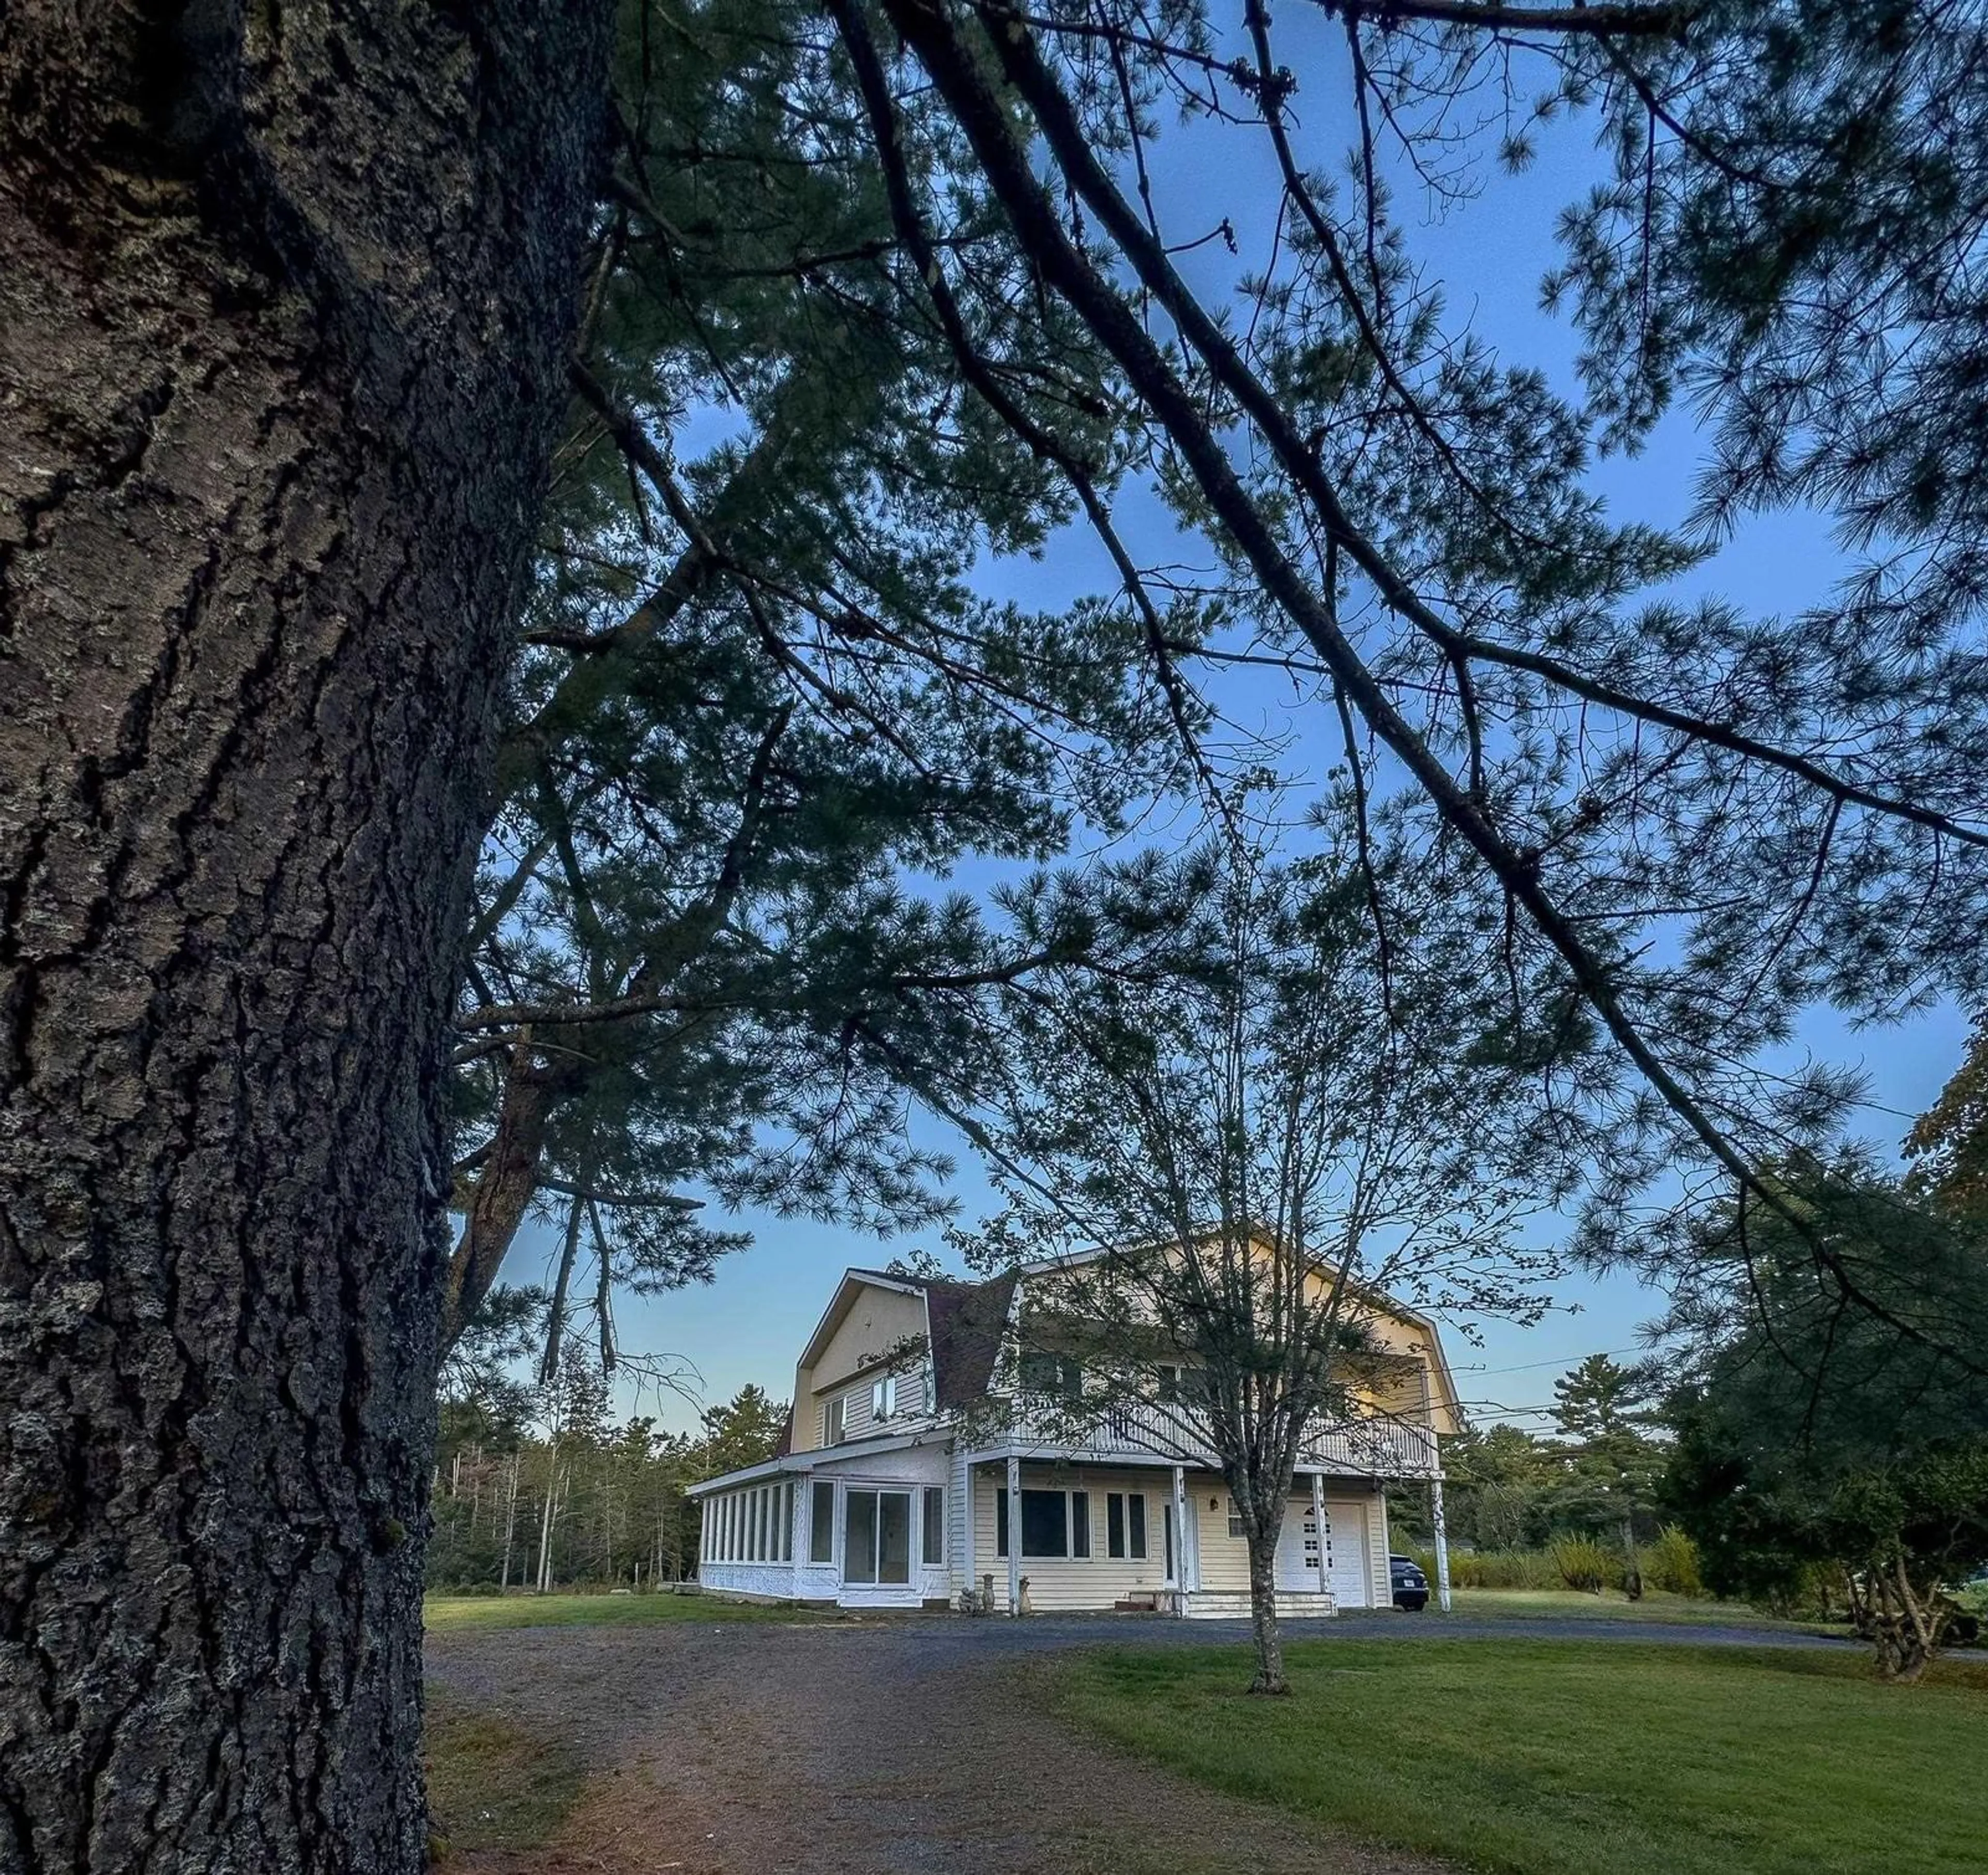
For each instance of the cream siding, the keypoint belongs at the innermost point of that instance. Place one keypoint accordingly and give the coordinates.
(1072, 1583)
(1225, 1560)
(859, 1419)
(965, 1561)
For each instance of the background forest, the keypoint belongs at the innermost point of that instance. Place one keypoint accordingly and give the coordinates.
(542, 1489)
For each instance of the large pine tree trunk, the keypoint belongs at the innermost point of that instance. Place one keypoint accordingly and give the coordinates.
(284, 298)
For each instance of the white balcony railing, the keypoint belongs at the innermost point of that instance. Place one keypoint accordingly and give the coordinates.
(1178, 1434)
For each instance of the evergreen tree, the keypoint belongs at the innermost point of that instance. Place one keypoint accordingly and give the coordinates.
(1811, 1435)
(286, 298)
(1950, 1140)
(747, 1429)
(1605, 1412)
(761, 702)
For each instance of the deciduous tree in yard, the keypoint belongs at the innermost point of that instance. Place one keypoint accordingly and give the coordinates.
(1238, 1168)
(286, 299)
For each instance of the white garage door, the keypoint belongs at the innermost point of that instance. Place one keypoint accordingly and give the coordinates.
(1346, 1552)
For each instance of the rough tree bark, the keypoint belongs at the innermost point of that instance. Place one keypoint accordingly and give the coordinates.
(286, 295)
(1264, 1632)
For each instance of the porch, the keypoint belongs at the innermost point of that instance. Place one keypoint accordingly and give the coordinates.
(1095, 1536)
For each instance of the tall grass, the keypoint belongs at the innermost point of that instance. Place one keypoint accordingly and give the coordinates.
(1670, 1563)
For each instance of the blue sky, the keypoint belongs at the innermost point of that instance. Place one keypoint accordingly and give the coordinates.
(1490, 253)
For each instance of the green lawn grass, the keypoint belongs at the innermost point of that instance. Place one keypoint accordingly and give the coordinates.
(1551, 1758)
(442, 1613)
(1614, 1606)
(491, 1784)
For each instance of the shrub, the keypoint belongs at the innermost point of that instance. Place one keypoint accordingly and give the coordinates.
(1671, 1562)
(1583, 1565)
(1495, 1568)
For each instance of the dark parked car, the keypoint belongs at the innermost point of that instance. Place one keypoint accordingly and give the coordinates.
(1411, 1586)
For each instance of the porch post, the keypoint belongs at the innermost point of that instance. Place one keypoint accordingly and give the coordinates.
(1014, 1536)
(1179, 1535)
(1318, 1524)
(1441, 1545)
(963, 1563)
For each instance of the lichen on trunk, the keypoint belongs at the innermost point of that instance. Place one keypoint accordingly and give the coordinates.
(284, 309)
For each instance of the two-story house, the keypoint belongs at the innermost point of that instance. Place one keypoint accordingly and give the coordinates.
(918, 1468)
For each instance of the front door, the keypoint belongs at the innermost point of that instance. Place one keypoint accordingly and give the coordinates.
(1298, 1550)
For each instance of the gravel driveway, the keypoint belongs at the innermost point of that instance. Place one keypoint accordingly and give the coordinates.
(886, 1747)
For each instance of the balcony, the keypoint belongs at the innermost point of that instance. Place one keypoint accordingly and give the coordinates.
(1140, 1433)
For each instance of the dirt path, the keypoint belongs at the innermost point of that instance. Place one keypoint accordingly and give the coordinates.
(728, 1749)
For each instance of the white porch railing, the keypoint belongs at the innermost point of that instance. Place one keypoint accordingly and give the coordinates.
(1360, 1447)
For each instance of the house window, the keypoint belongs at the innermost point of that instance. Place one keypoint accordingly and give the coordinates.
(884, 1397)
(933, 1546)
(1237, 1528)
(877, 1536)
(1054, 1523)
(1061, 1374)
(1125, 1524)
(821, 1523)
(1182, 1386)
(834, 1413)
(1044, 1523)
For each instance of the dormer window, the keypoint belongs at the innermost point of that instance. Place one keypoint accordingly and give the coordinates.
(834, 1414)
(884, 1397)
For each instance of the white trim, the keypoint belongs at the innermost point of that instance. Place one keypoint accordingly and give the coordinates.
(851, 1279)
(820, 1455)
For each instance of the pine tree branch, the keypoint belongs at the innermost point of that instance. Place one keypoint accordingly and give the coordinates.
(955, 71)
(918, 243)
(1621, 22)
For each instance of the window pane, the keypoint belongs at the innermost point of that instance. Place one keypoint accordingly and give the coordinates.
(1045, 1524)
(1038, 1372)
(893, 1536)
(1001, 1520)
(821, 1524)
(1114, 1523)
(1135, 1515)
(787, 1521)
(1079, 1523)
(859, 1536)
(933, 1550)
